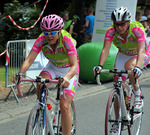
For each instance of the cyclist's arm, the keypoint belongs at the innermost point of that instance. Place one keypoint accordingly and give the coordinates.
(73, 66)
(72, 71)
(73, 60)
(140, 35)
(140, 53)
(105, 52)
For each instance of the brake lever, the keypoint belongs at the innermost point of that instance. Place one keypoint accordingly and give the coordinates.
(17, 78)
(61, 79)
(18, 85)
(97, 76)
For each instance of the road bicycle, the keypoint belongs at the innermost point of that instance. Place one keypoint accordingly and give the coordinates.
(45, 117)
(122, 98)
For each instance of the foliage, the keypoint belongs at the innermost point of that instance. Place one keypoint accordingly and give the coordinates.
(24, 16)
(2, 74)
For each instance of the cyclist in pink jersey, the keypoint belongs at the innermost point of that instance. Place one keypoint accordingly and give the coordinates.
(133, 54)
(59, 48)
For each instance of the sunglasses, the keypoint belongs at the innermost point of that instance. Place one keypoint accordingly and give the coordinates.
(53, 33)
(119, 24)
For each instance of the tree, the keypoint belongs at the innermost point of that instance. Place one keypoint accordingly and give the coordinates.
(25, 16)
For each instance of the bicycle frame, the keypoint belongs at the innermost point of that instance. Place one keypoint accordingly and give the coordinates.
(119, 88)
(43, 106)
(126, 112)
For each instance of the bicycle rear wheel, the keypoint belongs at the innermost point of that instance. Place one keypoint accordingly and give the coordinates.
(112, 116)
(35, 122)
(73, 113)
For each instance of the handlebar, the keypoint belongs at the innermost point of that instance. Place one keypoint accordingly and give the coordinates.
(38, 79)
(116, 71)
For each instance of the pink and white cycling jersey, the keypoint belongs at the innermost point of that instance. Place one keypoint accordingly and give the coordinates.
(128, 48)
(65, 48)
(135, 35)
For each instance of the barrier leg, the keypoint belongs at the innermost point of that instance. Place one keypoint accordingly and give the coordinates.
(32, 89)
(13, 89)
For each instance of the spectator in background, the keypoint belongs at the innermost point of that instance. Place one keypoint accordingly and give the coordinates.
(65, 16)
(148, 24)
(143, 20)
(147, 11)
(70, 25)
(138, 15)
(88, 26)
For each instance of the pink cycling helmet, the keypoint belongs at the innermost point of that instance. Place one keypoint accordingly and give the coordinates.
(52, 22)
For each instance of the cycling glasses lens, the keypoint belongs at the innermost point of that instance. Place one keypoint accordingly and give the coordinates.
(120, 24)
(53, 33)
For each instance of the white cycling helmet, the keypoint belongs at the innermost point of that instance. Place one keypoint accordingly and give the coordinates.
(121, 14)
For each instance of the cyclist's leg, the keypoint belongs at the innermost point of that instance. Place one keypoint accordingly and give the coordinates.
(65, 105)
(66, 118)
(130, 64)
(136, 118)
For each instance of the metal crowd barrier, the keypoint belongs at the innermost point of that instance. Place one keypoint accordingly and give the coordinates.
(17, 54)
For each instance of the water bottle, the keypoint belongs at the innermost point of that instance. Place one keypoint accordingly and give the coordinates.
(50, 108)
(126, 97)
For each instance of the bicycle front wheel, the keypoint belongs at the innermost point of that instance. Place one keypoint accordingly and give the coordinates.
(113, 112)
(35, 124)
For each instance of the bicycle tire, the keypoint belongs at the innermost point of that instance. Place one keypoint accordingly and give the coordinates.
(135, 126)
(35, 122)
(110, 115)
(73, 113)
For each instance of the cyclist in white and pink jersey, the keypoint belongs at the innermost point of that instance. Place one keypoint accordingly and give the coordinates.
(59, 48)
(129, 38)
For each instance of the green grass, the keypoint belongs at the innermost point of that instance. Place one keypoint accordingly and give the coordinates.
(2, 74)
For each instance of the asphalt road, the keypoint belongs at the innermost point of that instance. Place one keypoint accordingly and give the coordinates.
(90, 109)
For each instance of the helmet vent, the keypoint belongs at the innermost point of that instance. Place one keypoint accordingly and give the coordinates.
(46, 23)
(118, 15)
(56, 26)
(51, 23)
(123, 17)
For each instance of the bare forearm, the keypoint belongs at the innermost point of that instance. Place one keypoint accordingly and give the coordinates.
(103, 57)
(72, 71)
(140, 53)
(25, 66)
(140, 58)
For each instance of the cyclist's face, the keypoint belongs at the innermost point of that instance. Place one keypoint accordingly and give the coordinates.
(52, 36)
(121, 26)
